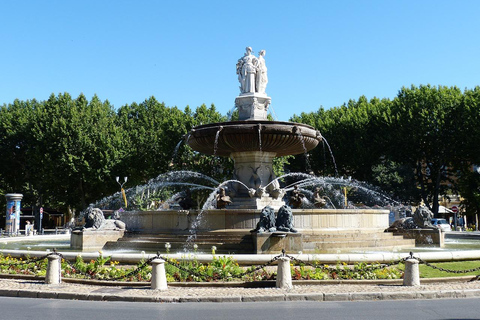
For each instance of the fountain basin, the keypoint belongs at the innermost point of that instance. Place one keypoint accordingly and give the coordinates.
(253, 144)
(229, 230)
(244, 219)
(281, 138)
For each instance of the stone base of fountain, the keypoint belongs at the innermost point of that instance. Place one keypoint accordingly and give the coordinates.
(252, 106)
(275, 242)
(319, 231)
(84, 240)
(424, 237)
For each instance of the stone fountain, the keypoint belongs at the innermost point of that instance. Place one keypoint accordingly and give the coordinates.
(253, 142)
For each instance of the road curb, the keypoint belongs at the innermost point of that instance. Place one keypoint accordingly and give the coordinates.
(319, 297)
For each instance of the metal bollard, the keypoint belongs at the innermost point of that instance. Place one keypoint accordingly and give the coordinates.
(159, 279)
(284, 275)
(412, 273)
(53, 275)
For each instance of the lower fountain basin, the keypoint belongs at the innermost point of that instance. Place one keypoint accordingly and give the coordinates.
(244, 219)
(229, 231)
(282, 138)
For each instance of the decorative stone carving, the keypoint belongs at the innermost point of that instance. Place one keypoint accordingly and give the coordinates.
(261, 78)
(422, 219)
(285, 219)
(252, 107)
(222, 199)
(252, 72)
(185, 200)
(246, 70)
(253, 102)
(296, 198)
(94, 220)
(267, 221)
(318, 200)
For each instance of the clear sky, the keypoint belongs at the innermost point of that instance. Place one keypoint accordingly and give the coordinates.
(318, 53)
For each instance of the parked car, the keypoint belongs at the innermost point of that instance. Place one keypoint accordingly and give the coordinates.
(442, 224)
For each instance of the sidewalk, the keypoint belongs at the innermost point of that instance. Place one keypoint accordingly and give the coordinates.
(364, 290)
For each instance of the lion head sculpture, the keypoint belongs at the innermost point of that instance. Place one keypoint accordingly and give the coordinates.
(285, 219)
(94, 218)
(267, 221)
(423, 218)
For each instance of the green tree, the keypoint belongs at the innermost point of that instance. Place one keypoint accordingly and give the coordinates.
(18, 148)
(424, 124)
(152, 131)
(80, 144)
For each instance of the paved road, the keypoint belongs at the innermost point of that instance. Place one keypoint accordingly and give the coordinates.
(40, 309)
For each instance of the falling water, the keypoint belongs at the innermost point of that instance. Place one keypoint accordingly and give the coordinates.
(209, 204)
(154, 187)
(230, 113)
(305, 151)
(215, 146)
(175, 151)
(331, 154)
(260, 136)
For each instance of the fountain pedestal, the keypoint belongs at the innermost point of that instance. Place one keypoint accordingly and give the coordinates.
(424, 237)
(274, 242)
(93, 239)
(254, 169)
(252, 106)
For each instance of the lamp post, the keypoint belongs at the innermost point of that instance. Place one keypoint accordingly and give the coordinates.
(122, 191)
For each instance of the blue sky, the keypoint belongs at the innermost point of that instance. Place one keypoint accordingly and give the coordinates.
(318, 53)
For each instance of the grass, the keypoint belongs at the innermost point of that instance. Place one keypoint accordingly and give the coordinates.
(429, 272)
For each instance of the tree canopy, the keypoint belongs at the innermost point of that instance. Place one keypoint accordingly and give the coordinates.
(418, 146)
(66, 152)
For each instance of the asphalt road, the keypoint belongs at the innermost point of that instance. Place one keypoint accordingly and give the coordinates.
(40, 309)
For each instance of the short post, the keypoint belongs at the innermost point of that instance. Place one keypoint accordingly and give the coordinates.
(53, 270)
(159, 279)
(412, 273)
(284, 275)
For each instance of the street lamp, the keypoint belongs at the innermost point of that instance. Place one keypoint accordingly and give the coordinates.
(124, 181)
(122, 191)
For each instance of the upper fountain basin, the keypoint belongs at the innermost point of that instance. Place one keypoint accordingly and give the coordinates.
(283, 138)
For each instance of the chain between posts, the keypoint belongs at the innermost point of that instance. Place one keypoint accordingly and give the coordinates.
(127, 275)
(178, 265)
(420, 260)
(325, 267)
(218, 277)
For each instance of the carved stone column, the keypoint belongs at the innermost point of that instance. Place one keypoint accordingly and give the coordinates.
(252, 106)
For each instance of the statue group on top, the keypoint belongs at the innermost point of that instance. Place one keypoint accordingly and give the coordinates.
(252, 72)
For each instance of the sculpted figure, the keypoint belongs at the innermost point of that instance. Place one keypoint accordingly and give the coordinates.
(222, 199)
(318, 200)
(267, 221)
(94, 220)
(285, 219)
(422, 217)
(402, 224)
(185, 201)
(296, 198)
(261, 79)
(246, 70)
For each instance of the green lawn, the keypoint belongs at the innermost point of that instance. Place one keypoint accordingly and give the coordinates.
(429, 272)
